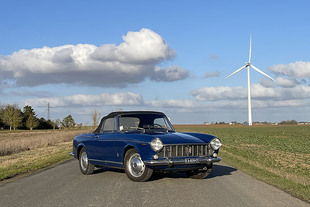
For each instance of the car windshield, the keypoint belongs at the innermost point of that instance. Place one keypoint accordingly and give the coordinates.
(144, 123)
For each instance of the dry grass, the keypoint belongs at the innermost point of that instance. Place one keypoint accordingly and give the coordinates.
(11, 143)
(30, 161)
(27, 151)
(283, 164)
(32, 155)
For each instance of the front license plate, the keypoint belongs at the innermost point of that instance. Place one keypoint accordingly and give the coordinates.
(192, 160)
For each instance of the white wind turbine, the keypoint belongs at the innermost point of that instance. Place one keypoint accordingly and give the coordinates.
(248, 65)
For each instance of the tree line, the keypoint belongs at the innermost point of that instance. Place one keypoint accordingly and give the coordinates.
(12, 118)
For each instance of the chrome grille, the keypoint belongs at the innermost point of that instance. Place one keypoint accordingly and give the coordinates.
(184, 151)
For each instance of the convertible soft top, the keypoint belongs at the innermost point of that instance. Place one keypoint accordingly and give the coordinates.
(121, 113)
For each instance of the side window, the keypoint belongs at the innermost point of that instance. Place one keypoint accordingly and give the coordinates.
(126, 123)
(108, 125)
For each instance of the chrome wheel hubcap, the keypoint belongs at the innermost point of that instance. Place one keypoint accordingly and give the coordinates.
(84, 161)
(136, 165)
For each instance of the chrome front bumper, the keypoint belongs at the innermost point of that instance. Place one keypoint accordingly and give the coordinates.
(171, 162)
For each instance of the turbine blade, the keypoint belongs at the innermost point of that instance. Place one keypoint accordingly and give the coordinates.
(258, 70)
(250, 50)
(236, 71)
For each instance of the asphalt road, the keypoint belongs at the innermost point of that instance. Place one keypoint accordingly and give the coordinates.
(64, 185)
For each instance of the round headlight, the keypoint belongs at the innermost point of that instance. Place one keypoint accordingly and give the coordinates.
(156, 144)
(215, 144)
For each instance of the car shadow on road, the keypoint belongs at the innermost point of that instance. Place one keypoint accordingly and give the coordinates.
(221, 170)
(218, 170)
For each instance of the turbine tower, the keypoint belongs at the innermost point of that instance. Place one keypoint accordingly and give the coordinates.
(248, 65)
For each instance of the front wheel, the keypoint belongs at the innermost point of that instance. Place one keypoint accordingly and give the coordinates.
(85, 166)
(199, 174)
(135, 168)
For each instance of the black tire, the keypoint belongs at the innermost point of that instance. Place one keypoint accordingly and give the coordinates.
(199, 174)
(85, 167)
(135, 168)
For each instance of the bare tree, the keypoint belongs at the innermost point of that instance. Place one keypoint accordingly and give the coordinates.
(95, 117)
(56, 123)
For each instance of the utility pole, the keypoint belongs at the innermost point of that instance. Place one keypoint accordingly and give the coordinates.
(48, 111)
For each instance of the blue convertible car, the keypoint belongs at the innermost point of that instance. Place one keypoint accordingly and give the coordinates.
(141, 142)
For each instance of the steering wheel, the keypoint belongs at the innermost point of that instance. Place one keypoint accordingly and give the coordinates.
(158, 126)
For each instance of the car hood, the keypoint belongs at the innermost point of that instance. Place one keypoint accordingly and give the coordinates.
(178, 138)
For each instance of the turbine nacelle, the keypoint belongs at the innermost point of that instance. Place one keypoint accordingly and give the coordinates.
(247, 64)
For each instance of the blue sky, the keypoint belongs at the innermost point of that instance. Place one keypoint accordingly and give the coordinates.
(170, 56)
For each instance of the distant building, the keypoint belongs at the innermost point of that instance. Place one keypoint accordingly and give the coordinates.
(303, 123)
(233, 123)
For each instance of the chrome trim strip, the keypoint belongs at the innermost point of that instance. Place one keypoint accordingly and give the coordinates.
(187, 144)
(106, 161)
(169, 162)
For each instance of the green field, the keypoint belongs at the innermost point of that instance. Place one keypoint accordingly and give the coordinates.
(278, 155)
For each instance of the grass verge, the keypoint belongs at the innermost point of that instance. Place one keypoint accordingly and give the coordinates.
(264, 174)
(33, 160)
(19, 141)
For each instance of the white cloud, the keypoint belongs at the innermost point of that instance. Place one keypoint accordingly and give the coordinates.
(178, 109)
(298, 69)
(104, 99)
(108, 65)
(266, 82)
(141, 47)
(294, 93)
(172, 104)
(285, 82)
(212, 74)
(219, 93)
(170, 74)
(275, 104)
(258, 92)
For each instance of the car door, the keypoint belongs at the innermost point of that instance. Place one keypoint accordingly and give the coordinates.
(128, 130)
(102, 147)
